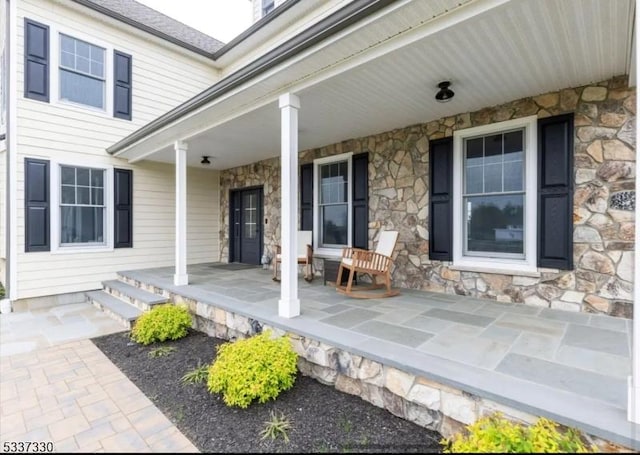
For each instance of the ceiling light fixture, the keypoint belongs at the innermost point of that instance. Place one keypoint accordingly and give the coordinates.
(445, 94)
(205, 160)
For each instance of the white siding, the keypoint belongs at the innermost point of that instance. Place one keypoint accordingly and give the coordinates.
(153, 233)
(163, 77)
(4, 51)
(3, 215)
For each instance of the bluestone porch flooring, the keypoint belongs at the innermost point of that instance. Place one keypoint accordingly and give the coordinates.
(567, 366)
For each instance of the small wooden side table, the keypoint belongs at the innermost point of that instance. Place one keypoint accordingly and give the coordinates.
(330, 268)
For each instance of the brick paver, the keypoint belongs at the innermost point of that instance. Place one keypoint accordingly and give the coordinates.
(72, 395)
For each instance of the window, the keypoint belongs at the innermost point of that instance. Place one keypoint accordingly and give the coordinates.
(250, 204)
(82, 206)
(495, 194)
(82, 72)
(332, 207)
(267, 6)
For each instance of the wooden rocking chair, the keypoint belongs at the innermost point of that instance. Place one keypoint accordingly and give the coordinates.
(304, 255)
(374, 263)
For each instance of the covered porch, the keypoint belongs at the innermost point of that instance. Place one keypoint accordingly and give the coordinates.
(571, 367)
(371, 69)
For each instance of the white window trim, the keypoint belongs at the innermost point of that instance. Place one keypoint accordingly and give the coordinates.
(54, 52)
(323, 251)
(54, 192)
(528, 264)
(84, 74)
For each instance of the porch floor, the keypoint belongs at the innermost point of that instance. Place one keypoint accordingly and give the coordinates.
(571, 367)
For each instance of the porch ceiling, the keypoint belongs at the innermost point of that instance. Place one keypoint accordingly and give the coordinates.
(355, 87)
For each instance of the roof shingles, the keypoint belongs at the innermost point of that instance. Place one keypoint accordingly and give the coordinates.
(137, 12)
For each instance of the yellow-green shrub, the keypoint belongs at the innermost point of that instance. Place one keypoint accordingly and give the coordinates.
(495, 434)
(162, 323)
(255, 368)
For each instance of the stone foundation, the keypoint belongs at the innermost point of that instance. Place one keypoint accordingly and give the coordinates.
(420, 400)
(604, 201)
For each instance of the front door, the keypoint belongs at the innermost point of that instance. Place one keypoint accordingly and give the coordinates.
(245, 239)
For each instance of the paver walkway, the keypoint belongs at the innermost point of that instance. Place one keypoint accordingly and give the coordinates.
(71, 394)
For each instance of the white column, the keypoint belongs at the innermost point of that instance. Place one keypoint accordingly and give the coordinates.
(181, 278)
(289, 304)
(633, 408)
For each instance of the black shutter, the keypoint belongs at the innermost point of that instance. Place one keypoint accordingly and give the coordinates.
(306, 197)
(555, 192)
(122, 95)
(360, 194)
(440, 201)
(123, 213)
(36, 205)
(36, 61)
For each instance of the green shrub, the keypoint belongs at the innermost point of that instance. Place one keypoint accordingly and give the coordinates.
(1, 291)
(495, 434)
(255, 368)
(162, 323)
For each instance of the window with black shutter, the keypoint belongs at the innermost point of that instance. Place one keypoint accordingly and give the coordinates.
(334, 191)
(512, 195)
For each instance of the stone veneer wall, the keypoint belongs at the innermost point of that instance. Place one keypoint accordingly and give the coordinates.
(604, 201)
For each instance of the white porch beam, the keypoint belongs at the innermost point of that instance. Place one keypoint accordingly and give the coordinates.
(289, 304)
(633, 406)
(181, 278)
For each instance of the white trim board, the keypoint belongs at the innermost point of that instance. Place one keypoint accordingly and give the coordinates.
(529, 263)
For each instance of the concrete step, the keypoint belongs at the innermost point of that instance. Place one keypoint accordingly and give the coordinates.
(140, 298)
(119, 310)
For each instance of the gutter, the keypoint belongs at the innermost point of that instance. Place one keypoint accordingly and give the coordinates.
(330, 25)
(11, 185)
(263, 21)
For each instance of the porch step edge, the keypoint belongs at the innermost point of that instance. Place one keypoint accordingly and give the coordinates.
(114, 307)
(136, 296)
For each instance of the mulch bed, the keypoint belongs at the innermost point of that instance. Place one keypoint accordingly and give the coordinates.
(322, 418)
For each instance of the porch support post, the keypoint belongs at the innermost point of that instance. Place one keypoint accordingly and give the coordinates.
(181, 278)
(633, 407)
(289, 304)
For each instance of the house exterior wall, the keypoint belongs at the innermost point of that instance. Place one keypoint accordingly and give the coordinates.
(3, 68)
(3, 216)
(257, 8)
(50, 273)
(296, 25)
(164, 76)
(604, 201)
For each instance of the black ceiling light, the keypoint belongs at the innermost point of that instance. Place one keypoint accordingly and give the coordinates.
(205, 160)
(445, 94)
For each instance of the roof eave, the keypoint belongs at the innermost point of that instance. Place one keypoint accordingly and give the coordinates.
(330, 25)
